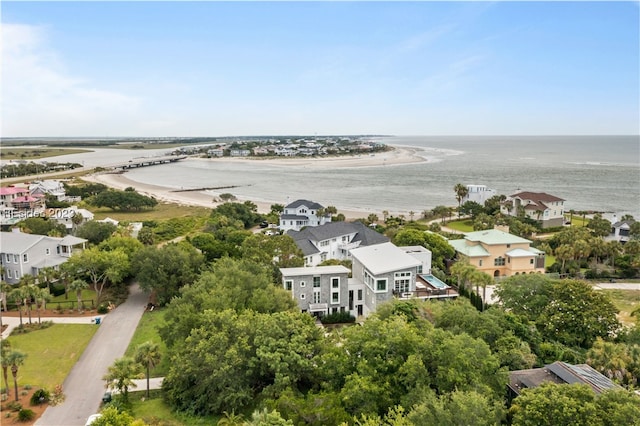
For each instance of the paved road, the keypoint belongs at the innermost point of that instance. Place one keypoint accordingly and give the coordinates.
(84, 386)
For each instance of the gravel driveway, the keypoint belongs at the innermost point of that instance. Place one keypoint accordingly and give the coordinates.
(84, 386)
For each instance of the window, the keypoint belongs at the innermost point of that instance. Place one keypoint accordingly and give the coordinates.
(335, 297)
(508, 245)
(316, 297)
(345, 238)
(8, 257)
(288, 284)
(420, 269)
(8, 273)
(324, 243)
(499, 261)
(316, 282)
(480, 262)
(381, 285)
(15, 258)
(359, 294)
(25, 258)
(323, 257)
(531, 261)
(335, 282)
(402, 282)
(47, 251)
(302, 296)
(303, 284)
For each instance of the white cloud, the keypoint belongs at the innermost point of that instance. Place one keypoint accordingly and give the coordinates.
(41, 98)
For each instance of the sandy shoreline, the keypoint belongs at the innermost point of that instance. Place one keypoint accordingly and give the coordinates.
(400, 155)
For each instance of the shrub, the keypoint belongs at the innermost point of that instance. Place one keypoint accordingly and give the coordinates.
(28, 387)
(103, 309)
(58, 396)
(14, 406)
(40, 397)
(24, 392)
(57, 289)
(26, 415)
(338, 318)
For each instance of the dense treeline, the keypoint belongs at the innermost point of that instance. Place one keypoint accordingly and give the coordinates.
(33, 168)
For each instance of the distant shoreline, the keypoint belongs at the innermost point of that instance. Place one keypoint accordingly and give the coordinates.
(397, 156)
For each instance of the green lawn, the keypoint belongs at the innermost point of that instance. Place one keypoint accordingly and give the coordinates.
(155, 411)
(461, 225)
(51, 353)
(160, 212)
(549, 260)
(148, 331)
(626, 301)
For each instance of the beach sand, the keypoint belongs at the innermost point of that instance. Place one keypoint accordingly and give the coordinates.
(400, 155)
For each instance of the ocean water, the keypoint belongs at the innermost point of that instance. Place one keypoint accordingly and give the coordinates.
(600, 173)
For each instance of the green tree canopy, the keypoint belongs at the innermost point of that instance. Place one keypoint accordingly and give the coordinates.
(122, 200)
(96, 232)
(165, 270)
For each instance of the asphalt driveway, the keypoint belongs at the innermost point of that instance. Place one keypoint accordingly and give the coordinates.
(84, 386)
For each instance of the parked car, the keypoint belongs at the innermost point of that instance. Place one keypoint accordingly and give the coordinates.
(264, 224)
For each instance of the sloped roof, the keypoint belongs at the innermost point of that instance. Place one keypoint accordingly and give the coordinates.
(494, 236)
(622, 223)
(536, 196)
(383, 258)
(70, 240)
(520, 253)
(293, 217)
(537, 206)
(9, 190)
(18, 242)
(475, 250)
(306, 203)
(364, 234)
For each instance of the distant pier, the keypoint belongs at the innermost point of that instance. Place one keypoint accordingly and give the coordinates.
(150, 161)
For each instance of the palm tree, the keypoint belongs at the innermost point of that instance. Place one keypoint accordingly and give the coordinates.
(5, 350)
(78, 286)
(461, 192)
(462, 270)
(15, 360)
(148, 354)
(613, 248)
(482, 279)
(120, 376)
(17, 295)
(372, 218)
(42, 297)
(231, 419)
(411, 215)
(564, 252)
(30, 291)
(385, 215)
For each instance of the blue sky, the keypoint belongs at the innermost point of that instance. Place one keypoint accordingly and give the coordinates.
(275, 68)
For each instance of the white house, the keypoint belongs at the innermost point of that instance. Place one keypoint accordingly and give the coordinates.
(478, 194)
(334, 240)
(65, 216)
(620, 231)
(26, 254)
(302, 213)
(51, 187)
(540, 206)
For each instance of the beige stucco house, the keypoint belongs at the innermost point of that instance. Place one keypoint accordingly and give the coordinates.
(499, 253)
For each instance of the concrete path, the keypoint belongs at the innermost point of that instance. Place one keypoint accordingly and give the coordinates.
(14, 322)
(141, 384)
(617, 286)
(84, 386)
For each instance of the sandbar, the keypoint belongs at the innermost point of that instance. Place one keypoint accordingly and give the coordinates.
(397, 156)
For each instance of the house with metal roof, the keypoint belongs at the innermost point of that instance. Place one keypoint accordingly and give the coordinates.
(26, 254)
(546, 209)
(334, 240)
(499, 253)
(560, 373)
(302, 213)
